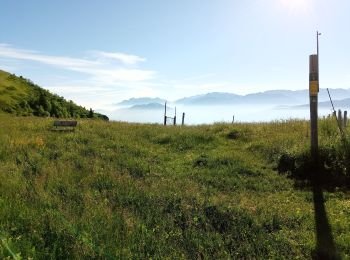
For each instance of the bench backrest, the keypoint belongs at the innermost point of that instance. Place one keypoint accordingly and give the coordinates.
(65, 123)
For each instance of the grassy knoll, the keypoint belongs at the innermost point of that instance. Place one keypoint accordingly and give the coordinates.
(117, 190)
(20, 96)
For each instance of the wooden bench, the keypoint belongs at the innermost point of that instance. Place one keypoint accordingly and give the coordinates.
(65, 125)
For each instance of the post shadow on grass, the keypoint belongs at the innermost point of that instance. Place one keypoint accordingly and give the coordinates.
(317, 178)
(325, 246)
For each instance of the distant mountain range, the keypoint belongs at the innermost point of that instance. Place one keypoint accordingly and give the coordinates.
(150, 106)
(271, 97)
(141, 101)
(337, 103)
(214, 98)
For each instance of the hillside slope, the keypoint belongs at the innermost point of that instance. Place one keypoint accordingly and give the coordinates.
(22, 97)
(130, 191)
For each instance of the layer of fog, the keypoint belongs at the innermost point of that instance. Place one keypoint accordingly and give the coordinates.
(214, 114)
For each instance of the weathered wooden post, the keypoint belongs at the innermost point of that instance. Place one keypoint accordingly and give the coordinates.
(233, 119)
(340, 119)
(175, 117)
(313, 91)
(165, 114)
(345, 118)
(183, 118)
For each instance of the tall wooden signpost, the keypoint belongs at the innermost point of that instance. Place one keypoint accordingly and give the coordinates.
(313, 91)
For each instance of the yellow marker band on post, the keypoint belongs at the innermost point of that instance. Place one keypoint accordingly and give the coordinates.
(313, 88)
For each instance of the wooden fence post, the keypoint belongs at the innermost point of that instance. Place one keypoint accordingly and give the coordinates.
(183, 118)
(165, 114)
(345, 118)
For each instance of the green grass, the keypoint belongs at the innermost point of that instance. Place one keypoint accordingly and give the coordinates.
(118, 190)
(13, 91)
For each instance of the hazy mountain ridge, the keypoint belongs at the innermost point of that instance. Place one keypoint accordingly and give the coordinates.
(341, 103)
(209, 99)
(150, 106)
(221, 106)
(271, 97)
(141, 101)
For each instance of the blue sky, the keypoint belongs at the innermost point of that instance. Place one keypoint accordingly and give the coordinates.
(101, 52)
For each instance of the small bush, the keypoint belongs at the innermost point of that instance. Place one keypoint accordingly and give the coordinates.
(286, 163)
(233, 134)
(201, 161)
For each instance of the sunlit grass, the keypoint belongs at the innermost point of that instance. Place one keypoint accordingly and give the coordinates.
(118, 190)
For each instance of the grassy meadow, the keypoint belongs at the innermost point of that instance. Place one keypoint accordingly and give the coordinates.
(112, 190)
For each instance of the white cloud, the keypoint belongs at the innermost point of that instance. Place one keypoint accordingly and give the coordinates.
(99, 70)
(106, 78)
(122, 57)
(116, 75)
(7, 51)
